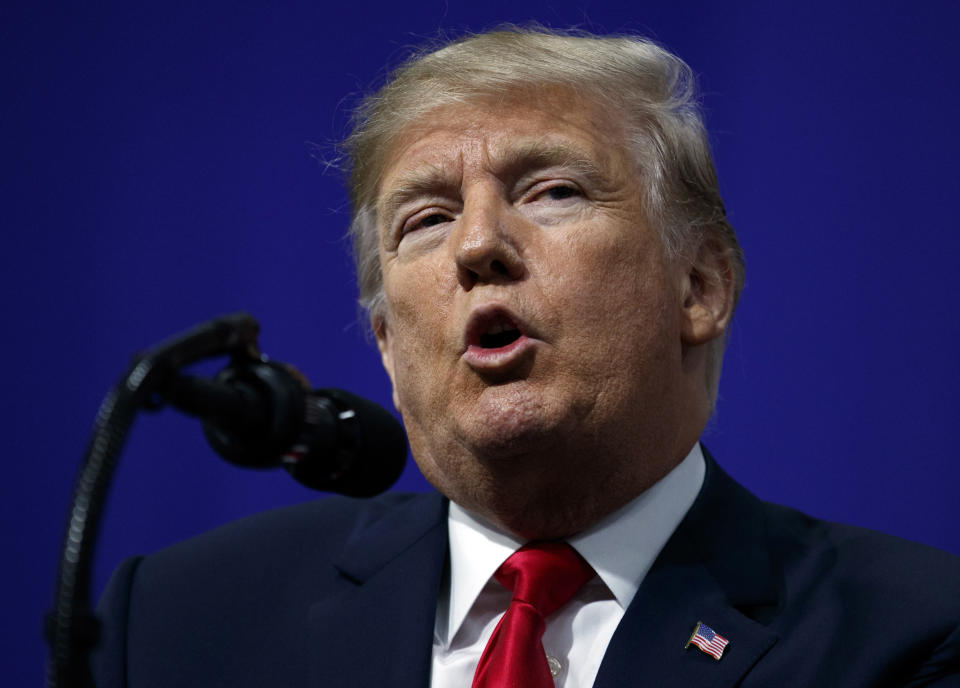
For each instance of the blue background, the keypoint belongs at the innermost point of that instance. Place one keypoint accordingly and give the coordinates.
(164, 163)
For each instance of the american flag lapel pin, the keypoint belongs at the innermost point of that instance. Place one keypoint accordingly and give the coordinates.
(708, 640)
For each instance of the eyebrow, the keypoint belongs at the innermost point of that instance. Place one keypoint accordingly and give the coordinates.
(426, 180)
(537, 155)
(431, 179)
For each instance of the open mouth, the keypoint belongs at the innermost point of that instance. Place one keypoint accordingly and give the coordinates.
(496, 341)
(493, 328)
(499, 335)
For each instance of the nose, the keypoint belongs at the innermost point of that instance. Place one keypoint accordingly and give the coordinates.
(486, 248)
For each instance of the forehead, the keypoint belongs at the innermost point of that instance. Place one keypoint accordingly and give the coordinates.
(553, 128)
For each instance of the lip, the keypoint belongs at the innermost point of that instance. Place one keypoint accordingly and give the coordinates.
(486, 359)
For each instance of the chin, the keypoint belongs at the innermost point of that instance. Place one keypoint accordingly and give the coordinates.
(509, 423)
(501, 445)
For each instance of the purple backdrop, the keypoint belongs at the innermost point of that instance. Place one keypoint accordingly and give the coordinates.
(168, 163)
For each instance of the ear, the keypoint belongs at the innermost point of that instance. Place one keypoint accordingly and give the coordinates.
(707, 293)
(381, 329)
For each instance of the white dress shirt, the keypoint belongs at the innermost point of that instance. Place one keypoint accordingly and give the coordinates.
(472, 601)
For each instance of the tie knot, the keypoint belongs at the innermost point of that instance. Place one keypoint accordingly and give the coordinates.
(544, 574)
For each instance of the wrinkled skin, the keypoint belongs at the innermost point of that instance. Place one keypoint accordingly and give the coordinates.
(531, 210)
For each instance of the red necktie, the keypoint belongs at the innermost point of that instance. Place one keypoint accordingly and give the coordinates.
(543, 576)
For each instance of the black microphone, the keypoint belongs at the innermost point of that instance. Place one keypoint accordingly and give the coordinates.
(260, 414)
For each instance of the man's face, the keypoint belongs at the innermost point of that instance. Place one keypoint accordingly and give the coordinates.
(533, 324)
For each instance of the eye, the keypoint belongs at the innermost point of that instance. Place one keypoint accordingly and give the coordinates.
(554, 201)
(430, 217)
(559, 193)
(556, 190)
(431, 220)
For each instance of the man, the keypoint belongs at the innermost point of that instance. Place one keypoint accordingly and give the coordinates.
(549, 273)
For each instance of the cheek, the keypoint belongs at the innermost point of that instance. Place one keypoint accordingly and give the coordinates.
(419, 292)
(613, 277)
(615, 302)
(411, 295)
(420, 321)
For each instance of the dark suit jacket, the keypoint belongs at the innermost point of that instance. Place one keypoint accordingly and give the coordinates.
(343, 592)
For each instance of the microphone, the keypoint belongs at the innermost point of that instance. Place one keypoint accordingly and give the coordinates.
(260, 414)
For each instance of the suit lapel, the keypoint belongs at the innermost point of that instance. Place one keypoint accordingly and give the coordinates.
(377, 626)
(714, 569)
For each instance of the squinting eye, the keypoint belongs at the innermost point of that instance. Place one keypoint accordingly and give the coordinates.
(425, 221)
(431, 220)
(559, 193)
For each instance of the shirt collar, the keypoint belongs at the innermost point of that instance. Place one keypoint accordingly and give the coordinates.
(477, 548)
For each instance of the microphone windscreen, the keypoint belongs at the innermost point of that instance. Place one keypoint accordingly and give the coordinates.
(369, 452)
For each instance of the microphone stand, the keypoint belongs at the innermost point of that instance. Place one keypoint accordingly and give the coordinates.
(72, 628)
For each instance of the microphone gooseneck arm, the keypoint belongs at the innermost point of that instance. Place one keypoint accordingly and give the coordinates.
(72, 629)
(257, 413)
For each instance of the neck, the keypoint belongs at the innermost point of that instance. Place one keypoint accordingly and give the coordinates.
(549, 503)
